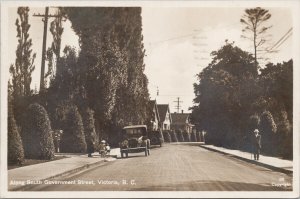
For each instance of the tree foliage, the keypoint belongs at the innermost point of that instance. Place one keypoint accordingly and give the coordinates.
(254, 20)
(73, 138)
(15, 151)
(232, 99)
(111, 64)
(21, 70)
(37, 133)
(222, 113)
(89, 129)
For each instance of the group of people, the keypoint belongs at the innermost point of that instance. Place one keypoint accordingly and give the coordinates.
(104, 149)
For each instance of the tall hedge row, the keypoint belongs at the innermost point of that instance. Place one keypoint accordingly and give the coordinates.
(37, 133)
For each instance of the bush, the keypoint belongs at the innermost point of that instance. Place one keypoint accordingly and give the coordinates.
(193, 137)
(173, 136)
(180, 136)
(37, 133)
(73, 138)
(268, 129)
(15, 151)
(167, 136)
(199, 137)
(89, 130)
(186, 136)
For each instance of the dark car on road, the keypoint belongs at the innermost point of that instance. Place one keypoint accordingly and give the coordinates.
(156, 138)
(134, 139)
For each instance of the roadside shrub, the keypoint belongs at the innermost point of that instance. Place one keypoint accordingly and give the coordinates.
(193, 137)
(89, 130)
(268, 129)
(37, 133)
(15, 151)
(167, 136)
(174, 136)
(186, 136)
(180, 136)
(73, 138)
(161, 135)
(199, 137)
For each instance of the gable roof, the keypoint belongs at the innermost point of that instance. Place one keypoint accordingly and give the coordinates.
(179, 118)
(154, 105)
(162, 111)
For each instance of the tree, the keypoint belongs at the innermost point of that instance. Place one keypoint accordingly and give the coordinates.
(224, 96)
(37, 133)
(89, 129)
(111, 64)
(56, 30)
(15, 151)
(253, 19)
(24, 64)
(73, 138)
(268, 128)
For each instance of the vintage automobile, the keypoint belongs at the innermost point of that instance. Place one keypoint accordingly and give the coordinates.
(156, 138)
(134, 139)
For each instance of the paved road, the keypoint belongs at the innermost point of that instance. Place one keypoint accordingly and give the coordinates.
(176, 167)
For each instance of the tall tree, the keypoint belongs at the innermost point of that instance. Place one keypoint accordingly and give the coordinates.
(56, 29)
(24, 65)
(111, 60)
(224, 95)
(254, 20)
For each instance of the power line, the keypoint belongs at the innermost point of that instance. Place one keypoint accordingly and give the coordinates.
(281, 39)
(189, 35)
(284, 40)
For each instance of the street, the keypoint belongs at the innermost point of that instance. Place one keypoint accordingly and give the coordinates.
(175, 168)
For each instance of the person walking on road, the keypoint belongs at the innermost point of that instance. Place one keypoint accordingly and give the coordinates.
(256, 144)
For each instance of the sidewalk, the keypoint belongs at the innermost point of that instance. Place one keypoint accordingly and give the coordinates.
(22, 177)
(285, 166)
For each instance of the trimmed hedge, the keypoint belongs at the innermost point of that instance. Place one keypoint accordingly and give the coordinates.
(37, 133)
(167, 136)
(180, 136)
(15, 151)
(193, 137)
(73, 138)
(173, 136)
(89, 130)
(186, 136)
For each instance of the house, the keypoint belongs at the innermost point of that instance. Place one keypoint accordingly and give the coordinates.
(181, 121)
(164, 116)
(155, 115)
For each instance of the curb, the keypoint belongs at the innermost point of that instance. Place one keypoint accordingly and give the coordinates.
(282, 170)
(63, 174)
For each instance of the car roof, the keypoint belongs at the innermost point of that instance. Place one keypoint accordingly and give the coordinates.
(135, 126)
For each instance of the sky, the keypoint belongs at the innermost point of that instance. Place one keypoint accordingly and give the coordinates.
(178, 42)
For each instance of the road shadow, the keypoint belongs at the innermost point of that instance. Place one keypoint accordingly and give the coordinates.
(204, 185)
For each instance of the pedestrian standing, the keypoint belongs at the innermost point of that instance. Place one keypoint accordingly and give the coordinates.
(256, 144)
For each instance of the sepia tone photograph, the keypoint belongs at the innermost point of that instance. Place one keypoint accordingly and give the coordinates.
(149, 99)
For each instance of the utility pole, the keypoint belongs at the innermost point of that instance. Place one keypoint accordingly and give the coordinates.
(178, 104)
(45, 20)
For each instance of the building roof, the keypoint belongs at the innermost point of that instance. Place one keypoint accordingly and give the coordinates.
(162, 111)
(154, 105)
(180, 118)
